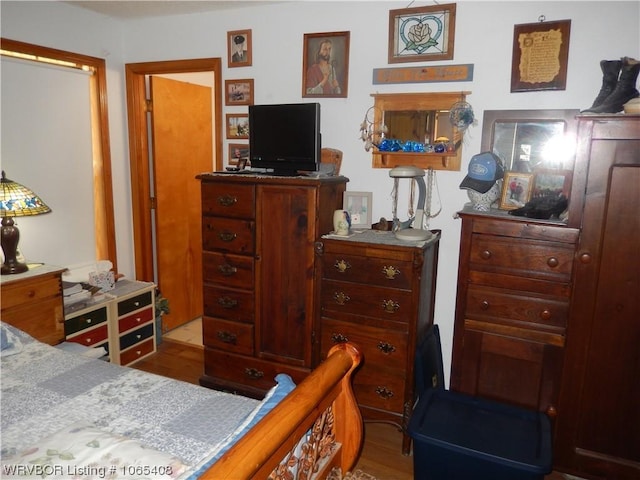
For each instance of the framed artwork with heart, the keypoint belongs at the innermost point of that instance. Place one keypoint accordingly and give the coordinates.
(422, 34)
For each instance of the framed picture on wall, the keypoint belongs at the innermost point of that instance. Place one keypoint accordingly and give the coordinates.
(422, 34)
(239, 48)
(540, 56)
(358, 204)
(238, 92)
(238, 152)
(516, 190)
(237, 125)
(325, 69)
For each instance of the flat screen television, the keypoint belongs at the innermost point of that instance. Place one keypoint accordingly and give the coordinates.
(285, 138)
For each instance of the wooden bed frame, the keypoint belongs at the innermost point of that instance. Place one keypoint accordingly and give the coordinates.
(323, 404)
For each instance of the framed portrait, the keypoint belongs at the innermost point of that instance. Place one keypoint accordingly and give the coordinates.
(540, 55)
(325, 64)
(237, 153)
(516, 190)
(422, 34)
(238, 125)
(359, 205)
(551, 183)
(239, 48)
(238, 92)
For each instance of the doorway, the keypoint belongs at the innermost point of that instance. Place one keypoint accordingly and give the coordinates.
(143, 201)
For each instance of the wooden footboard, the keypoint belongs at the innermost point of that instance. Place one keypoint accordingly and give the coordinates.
(322, 409)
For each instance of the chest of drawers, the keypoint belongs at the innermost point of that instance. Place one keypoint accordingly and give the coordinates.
(123, 322)
(258, 238)
(514, 291)
(379, 293)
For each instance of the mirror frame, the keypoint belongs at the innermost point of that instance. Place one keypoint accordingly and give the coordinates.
(491, 117)
(418, 101)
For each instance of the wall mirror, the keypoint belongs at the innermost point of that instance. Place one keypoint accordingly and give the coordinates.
(418, 117)
(542, 139)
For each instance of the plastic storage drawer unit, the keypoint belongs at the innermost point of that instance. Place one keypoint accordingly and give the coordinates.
(459, 437)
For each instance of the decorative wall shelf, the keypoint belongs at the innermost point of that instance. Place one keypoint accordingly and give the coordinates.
(439, 105)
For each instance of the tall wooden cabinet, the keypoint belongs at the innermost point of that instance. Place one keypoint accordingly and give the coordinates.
(258, 235)
(598, 425)
(548, 313)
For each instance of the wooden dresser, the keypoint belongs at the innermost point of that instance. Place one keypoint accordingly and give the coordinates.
(258, 235)
(548, 313)
(514, 288)
(378, 292)
(32, 302)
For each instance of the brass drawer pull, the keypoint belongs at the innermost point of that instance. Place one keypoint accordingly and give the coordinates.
(390, 306)
(342, 265)
(227, 236)
(227, 337)
(390, 272)
(485, 254)
(386, 348)
(227, 302)
(227, 270)
(384, 392)
(339, 338)
(553, 262)
(227, 200)
(341, 298)
(254, 373)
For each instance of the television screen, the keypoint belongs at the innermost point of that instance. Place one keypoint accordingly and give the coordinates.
(285, 138)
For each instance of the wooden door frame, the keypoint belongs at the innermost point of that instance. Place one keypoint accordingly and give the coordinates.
(141, 202)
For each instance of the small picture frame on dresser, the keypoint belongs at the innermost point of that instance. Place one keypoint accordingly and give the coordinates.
(358, 204)
(516, 190)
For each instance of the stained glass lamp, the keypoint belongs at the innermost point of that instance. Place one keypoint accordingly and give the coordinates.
(15, 201)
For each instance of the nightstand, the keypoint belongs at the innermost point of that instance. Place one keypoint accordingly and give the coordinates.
(32, 302)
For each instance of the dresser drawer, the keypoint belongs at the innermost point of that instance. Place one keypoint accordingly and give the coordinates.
(228, 200)
(359, 299)
(228, 235)
(229, 304)
(380, 389)
(527, 258)
(367, 270)
(135, 319)
(134, 303)
(231, 336)
(516, 308)
(36, 289)
(228, 269)
(136, 353)
(252, 372)
(382, 348)
(86, 320)
(91, 337)
(42, 320)
(136, 336)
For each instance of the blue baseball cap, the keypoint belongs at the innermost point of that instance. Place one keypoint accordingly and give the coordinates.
(484, 169)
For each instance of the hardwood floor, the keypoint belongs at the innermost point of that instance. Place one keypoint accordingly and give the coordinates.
(381, 455)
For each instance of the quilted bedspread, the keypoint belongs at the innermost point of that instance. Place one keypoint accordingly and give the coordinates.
(58, 407)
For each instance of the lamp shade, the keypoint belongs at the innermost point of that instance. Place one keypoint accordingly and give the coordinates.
(16, 200)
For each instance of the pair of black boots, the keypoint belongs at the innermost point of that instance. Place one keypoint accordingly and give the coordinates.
(618, 85)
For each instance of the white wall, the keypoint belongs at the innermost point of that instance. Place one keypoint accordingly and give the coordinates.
(484, 32)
